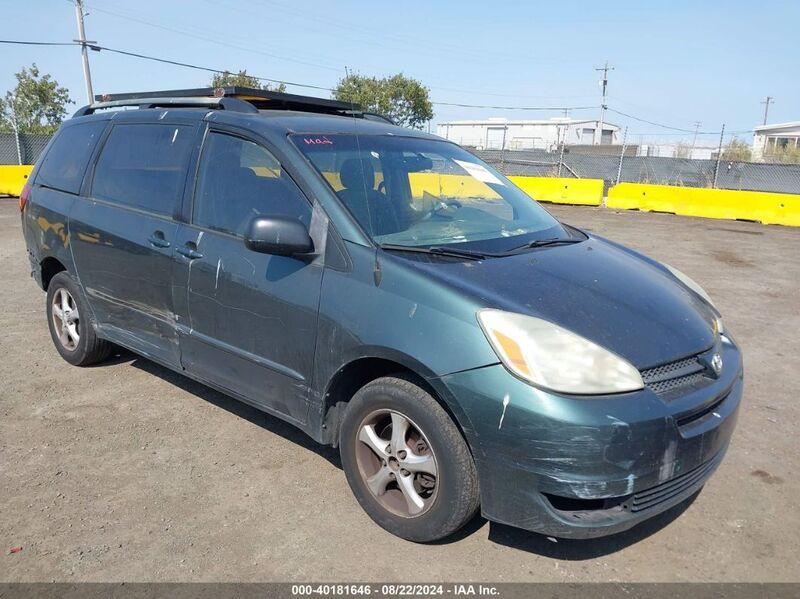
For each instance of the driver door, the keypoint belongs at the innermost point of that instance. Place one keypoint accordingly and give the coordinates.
(248, 321)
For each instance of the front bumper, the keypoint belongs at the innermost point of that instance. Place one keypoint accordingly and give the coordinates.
(586, 467)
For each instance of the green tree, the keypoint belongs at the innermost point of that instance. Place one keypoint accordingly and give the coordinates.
(737, 151)
(787, 154)
(683, 150)
(37, 104)
(403, 99)
(242, 79)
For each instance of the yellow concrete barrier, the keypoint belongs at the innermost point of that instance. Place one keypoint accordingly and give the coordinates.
(768, 208)
(587, 192)
(13, 177)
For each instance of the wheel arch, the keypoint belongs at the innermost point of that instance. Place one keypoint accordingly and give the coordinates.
(361, 370)
(50, 267)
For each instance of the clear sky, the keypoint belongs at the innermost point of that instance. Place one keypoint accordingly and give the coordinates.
(675, 62)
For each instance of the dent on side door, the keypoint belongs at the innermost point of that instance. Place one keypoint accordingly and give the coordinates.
(251, 322)
(127, 274)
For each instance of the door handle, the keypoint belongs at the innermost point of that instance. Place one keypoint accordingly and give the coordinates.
(157, 240)
(189, 252)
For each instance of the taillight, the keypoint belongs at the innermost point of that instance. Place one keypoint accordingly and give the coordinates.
(23, 196)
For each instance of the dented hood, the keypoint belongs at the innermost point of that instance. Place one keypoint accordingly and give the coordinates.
(609, 294)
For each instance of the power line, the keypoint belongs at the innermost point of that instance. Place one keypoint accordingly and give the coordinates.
(328, 89)
(98, 47)
(409, 42)
(514, 107)
(27, 43)
(207, 69)
(293, 83)
(656, 111)
(508, 95)
(211, 40)
(197, 31)
(662, 125)
(196, 34)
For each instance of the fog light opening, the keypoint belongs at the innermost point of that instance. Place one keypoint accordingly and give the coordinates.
(573, 504)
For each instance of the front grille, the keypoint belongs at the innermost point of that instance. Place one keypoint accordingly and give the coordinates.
(667, 490)
(664, 387)
(680, 374)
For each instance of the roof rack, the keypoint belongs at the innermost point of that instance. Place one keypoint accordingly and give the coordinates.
(214, 103)
(235, 98)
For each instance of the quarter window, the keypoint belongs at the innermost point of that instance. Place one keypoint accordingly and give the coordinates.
(144, 166)
(65, 162)
(239, 180)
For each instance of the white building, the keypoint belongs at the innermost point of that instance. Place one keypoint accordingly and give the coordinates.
(677, 150)
(768, 138)
(499, 133)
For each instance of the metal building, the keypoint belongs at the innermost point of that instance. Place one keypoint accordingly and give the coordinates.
(500, 133)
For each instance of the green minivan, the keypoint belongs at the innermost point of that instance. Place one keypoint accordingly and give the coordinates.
(391, 295)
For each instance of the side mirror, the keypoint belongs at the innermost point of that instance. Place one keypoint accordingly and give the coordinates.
(278, 235)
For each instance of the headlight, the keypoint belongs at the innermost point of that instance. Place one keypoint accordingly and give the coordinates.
(690, 283)
(555, 358)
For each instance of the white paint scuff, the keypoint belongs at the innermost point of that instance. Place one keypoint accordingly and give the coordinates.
(506, 401)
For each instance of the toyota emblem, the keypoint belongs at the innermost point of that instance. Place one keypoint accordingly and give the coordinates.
(716, 364)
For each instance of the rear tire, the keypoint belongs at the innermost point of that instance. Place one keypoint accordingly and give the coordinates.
(70, 327)
(406, 461)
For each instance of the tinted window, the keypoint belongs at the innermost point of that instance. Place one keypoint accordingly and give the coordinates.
(65, 163)
(144, 166)
(238, 180)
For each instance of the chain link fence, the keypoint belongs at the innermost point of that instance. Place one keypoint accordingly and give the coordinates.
(566, 162)
(27, 151)
(719, 174)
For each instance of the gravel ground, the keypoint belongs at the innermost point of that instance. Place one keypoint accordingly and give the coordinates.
(128, 472)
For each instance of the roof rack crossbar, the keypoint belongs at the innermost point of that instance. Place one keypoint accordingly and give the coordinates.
(224, 103)
(233, 98)
(258, 99)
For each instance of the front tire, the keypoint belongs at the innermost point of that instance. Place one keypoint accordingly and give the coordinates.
(70, 328)
(406, 461)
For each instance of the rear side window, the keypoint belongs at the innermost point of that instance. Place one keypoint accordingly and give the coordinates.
(144, 166)
(65, 162)
(239, 180)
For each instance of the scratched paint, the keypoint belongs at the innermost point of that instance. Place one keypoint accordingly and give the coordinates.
(506, 400)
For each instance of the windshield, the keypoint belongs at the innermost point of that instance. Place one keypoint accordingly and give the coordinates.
(422, 192)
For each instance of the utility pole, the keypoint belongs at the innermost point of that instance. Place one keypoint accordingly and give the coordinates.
(598, 134)
(766, 102)
(694, 139)
(87, 75)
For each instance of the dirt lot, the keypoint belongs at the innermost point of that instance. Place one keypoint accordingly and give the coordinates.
(128, 472)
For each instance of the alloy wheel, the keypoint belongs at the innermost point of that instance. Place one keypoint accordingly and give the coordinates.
(397, 463)
(65, 315)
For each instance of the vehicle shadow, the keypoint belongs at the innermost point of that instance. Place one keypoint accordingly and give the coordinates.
(508, 536)
(584, 549)
(273, 424)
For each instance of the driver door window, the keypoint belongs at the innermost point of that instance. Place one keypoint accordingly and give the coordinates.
(238, 180)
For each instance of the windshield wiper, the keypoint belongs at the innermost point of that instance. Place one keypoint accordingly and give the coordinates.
(538, 243)
(438, 250)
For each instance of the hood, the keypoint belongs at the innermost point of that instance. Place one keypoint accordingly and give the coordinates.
(597, 289)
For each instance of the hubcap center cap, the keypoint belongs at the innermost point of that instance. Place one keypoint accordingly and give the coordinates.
(394, 464)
